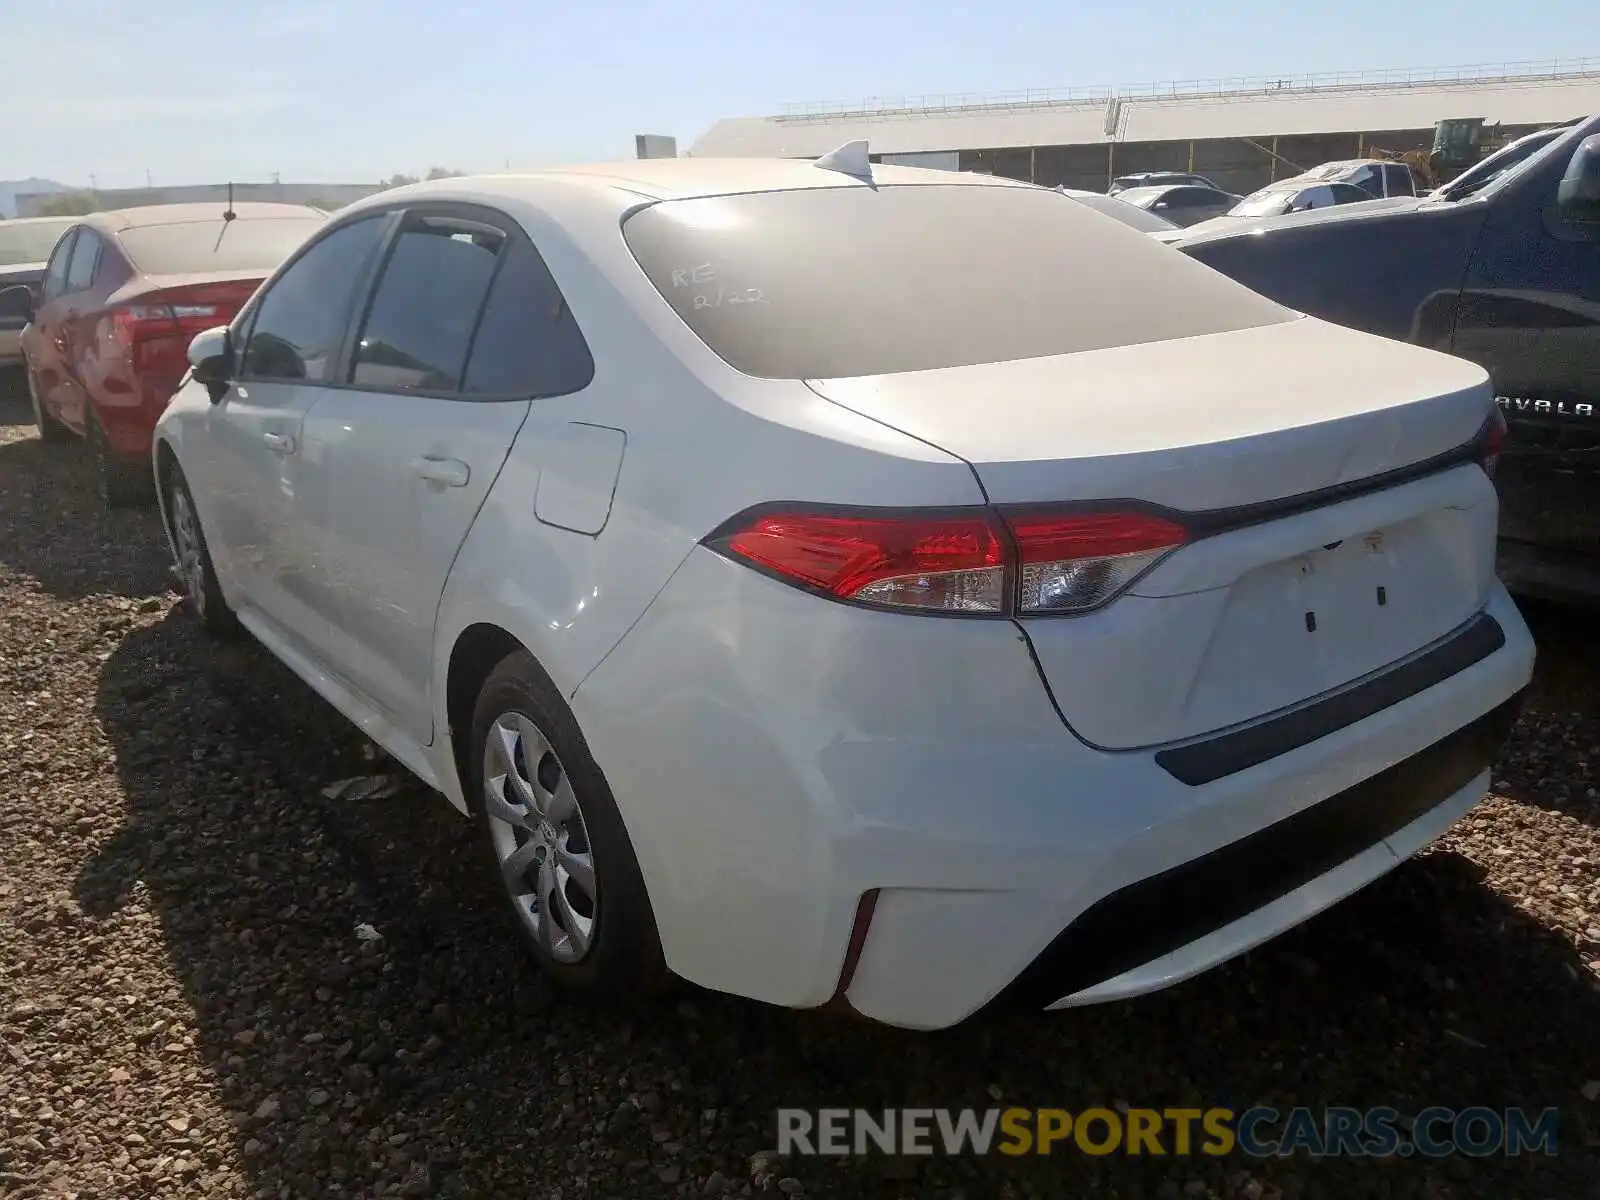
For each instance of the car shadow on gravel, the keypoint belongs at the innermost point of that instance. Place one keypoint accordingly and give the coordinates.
(56, 529)
(430, 1059)
(1553, 761)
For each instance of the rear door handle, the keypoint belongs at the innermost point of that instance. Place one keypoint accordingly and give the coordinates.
(278, 443)
(450, 472)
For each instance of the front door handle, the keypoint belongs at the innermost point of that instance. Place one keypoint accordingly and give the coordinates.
(278, 443)
(449, 472)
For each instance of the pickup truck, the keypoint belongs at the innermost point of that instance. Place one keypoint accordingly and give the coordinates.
(1503, 269)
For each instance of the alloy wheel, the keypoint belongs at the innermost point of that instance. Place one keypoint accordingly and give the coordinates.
(540, 838)
(186, 542)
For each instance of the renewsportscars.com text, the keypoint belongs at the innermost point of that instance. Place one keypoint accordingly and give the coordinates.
(1257, 1132)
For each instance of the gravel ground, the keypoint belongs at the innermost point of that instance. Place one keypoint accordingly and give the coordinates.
(185, 1009)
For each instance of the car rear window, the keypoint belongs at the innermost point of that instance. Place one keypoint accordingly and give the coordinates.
(24, 242)
(843, 281)
(246, 244)
(1265, 203)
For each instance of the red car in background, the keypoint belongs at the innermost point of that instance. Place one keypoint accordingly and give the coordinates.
(123, 295)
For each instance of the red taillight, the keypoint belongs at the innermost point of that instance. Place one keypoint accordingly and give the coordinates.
(982, 563)
(135, 323)
(1491, 441)
(179, 312)
(946, 564)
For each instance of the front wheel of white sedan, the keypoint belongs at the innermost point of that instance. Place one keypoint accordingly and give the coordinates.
(560, 853)
(193, 560)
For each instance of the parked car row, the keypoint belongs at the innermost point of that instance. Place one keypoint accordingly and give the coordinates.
(109, 315)
(1188, 200)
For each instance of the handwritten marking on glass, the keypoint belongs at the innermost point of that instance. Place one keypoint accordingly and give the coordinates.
(724, 295)
(684, 276)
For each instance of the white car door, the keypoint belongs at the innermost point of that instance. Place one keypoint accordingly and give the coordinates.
(267, 521)
(464, 329)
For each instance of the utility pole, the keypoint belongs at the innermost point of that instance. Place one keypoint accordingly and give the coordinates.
(148, 181)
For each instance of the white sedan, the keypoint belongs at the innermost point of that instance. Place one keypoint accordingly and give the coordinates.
(831, 583)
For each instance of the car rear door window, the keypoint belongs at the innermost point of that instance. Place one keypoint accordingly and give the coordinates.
(85, 260)
(1398, 179)
(420, 323)
(55, 276)
(528, 342)
(302, 319)
(1344, 193)
(1368, 180)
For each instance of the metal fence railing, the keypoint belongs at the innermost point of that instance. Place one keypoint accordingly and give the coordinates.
(880, 106)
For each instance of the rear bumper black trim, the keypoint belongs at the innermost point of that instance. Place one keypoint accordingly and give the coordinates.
(1204, 762)
(1155, 916)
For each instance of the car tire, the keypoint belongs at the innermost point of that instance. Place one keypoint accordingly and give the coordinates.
(542, 804)
(122, 484)
(193, 560)
(50, 429)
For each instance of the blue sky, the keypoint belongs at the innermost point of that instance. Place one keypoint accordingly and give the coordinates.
(204, 90)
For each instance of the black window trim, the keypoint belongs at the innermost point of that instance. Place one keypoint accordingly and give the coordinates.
(397, 214)
(411, 216)
(71, 235)
(468, 213)
(253, 309)
(99, 256)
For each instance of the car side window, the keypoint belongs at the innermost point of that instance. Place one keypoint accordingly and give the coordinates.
(55, 275)
(528, 342)
(1369, 181)
(1399, 180)
(419, 326)
(85, 261)
(302, 319)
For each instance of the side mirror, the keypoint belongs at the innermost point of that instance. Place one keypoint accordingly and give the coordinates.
(211, 357)
(1578, 197)
(18, 302)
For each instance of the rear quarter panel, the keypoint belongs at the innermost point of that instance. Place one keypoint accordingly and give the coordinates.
(701, 442)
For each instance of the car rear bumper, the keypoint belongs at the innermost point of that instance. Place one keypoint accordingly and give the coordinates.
(128, 409)
(830, 803)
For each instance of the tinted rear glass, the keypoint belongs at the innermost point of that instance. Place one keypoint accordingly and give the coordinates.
(832, 282)
(30, 241)
(257, 244)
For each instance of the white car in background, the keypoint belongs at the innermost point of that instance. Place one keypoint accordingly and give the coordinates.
(822, 608)
(1380, 178)
(25, 247)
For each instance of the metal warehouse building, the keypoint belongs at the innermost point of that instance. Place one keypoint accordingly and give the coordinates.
(1242, 133)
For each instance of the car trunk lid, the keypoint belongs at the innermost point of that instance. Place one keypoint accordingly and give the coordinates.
(1330, 534)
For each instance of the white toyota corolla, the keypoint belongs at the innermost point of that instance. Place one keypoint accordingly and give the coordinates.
(837, 583)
